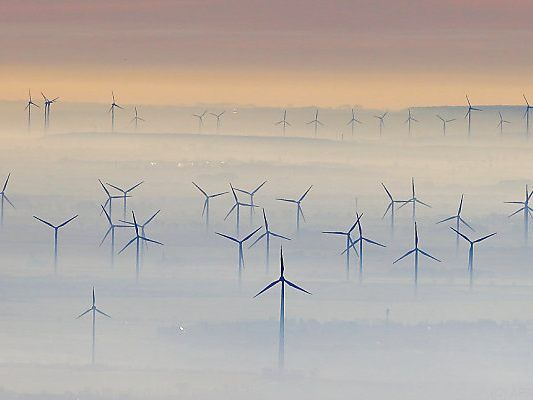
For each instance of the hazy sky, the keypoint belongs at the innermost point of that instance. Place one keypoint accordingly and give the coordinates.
(374, 53)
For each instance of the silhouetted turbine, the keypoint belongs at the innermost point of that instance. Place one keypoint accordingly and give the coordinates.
(381, 121)
(501, 123)
(284, 122)
(251, 193)
(267, 235)
(94, 310)
(471, 252)
(124, 195)
(391, 207)
(416, 251)
(112, 111)
(111, 230)
(469, 113)
(315, 122)
(444, 123)
(28, 107)
(200, 120)
(218, 116)
(208, 197)
(56, 229)
(138, 239)
(349, 244)
(3, 197)
(409, 120)
(526, 114)
(414, 200)
(240, 243)
(458, 221)
(109, 201)
(526, 209)
(47, 106)
(353, 121)
(136, 119)
(299, 210)
(282, 280)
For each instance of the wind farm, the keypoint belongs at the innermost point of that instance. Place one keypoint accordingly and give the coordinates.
(265, 200)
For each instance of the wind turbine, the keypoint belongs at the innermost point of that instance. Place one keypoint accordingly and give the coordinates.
(94, 310)
(409, 120)
(416, 252)
(458, 221)
(349, 243)
(471, 252)
(298, 203)
(353, 121)
(526, 114)
(316, 122)
(142, 226)
(3, 197)
(111, 230)
(284, 122)
(391, 207)
(138, 239)
(444, 123)
(469, 113)
(47, 106)
(282, 280)
(217, 116)
(414, 200)
(240, 242)
(136, 119)
(205, 209)
(112, 111)
(381, 121)
(56, 229)
(28, 107)
(200, 120)
(237, 207)
(124, 195)
(360, 240)
(267, 235)
(526, 209)
(109, 201)
(251, 193)
(501, 123)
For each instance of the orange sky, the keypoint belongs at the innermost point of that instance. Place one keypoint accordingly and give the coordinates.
(383, 54)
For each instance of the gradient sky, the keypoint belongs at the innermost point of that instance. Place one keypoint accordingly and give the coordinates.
(380, 53)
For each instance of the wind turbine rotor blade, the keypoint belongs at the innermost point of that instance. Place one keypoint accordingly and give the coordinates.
(293, 285)
(230, 211)
(44, 222)
(127, 244)
(428, 255)
(372, 242)
(83, 313)
(305, 194)
(267, 287)
(8, 201)
(466, 224)
(258, 239)
(152, 218)
(484, 237)
(251, 234)
(67, 221)
(227, 237)
(105, 236)
(447, 219)
(405, 255)
(134, 186)
(517, 211)
(280, 236)
(200, 189)
(461, 234)
(103, 313)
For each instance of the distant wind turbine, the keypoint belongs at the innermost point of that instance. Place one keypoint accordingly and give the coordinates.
(414, 200)
(125, 195)
(471, 252)
(469, 113)
(526, 209)
(360, 240)
(94, 310)
(316, 122)
(349, 243)
(526, 114)
(445, 122)
(3, 197)
(237, 208)
(139, 240)
(298, 203)
(109, 201)
(240, 243)
(112, 111)
(391, 206)
(251, 193)
(28, 107)
(416, 250)
(409, 120)
(111, 230)
(218, 116)
(282, 280)
(143, 227)
(353, 121)
(284, 124)
(458, 221)
(200, 120)
(501, 123)
(56, 229)
(136, 119)
(207, 198)
(381, 121)
(47, 106)
(266, 235)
